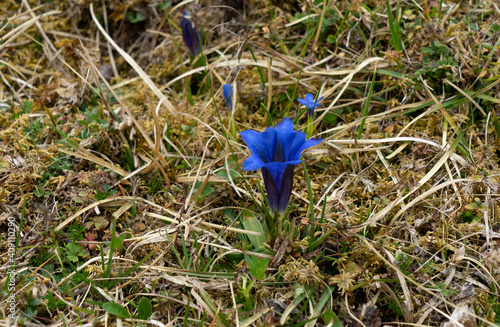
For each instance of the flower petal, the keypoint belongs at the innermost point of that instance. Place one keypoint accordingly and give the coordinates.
(278, 179)
(276, 170)
(309, 143)
(253, 163)
(286, 188)
(309, 98)
(295, 144)
(271, 189)
(260, 144)
(285, 125)
(285, 136)
(303, 102)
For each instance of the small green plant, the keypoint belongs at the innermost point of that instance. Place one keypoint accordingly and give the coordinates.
(468, 216)
(189, 130)
(163, 5)
(105, 193)
(41, 191)
(206, 191)
(75, 251)
(53, 302)
(58, 166)
(257, 266)
(135, 17)
(97, 223)
(381, 201)
(330, 119)
(251, 223)
(223, 172)
(31, 309)
(404, 262)
(26, 108)
(156, 183)
(330, 20)
(245, 290)
(144, 310)
(437, 63)
(76, 232)
(93, 123)
(39, 258)
(116, 309)
(127, 157)
(477, 205)
(34, 130)
(394, 306)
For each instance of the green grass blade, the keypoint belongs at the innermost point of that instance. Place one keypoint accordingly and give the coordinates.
(367, 106)
(394, 27)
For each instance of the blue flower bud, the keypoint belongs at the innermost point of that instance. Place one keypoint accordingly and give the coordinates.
(190, 36)
(227, 90)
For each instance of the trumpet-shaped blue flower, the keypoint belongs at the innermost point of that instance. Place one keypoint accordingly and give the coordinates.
(277, 151)
(191, 37)
(308, 101)
(227, 90)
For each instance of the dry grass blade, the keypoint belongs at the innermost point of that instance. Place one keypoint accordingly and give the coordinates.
(109, 202)
(345, 82)
(425, 194)
(134, 64)
(381, 214)
(207, 224)
(86, 155)
(466, 95)
(16, 32)
(408, 302)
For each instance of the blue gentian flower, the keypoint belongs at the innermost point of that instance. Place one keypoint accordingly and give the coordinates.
(277, 152)
(191, 37)
(308, 101)
(227, 90)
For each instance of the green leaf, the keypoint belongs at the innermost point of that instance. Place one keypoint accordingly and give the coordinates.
(320, 240)
(330, 38)
(135, 17)
(75, 251)
(116, 309)
(234, 258)
(394, 27)
(54, 302)
(436, 50)
(118, 242)
(207, 190)
(230, 214)
(145, 308)
(330, 119)
(331, 319)
(251, 223)
(257, 266)
(367, 104)
(327, 296)
(496, 309)
(84, 123)
(26, 106)
(223, 173)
